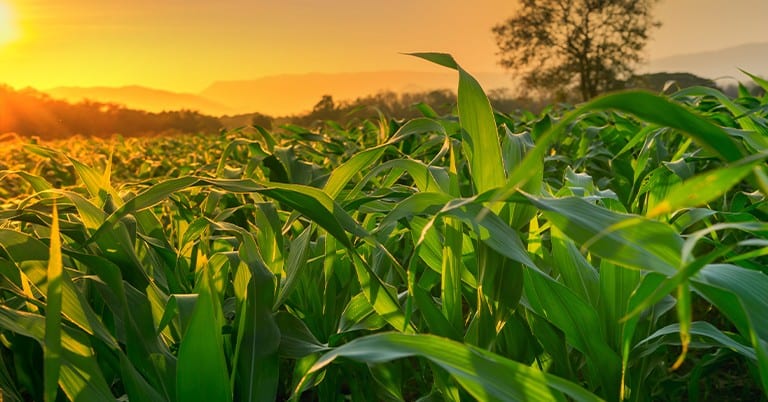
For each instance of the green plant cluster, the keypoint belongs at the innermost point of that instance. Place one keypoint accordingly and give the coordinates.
(613, 251)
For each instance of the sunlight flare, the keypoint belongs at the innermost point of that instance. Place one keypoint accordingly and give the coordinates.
(8, 29)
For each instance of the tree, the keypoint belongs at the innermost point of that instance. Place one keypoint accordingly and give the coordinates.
(325, 105)
(591, 45)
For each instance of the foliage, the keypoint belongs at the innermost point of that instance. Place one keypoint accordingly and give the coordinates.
(591, 45)
(612, 251)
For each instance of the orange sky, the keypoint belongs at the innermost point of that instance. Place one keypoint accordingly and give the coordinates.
(184, 45)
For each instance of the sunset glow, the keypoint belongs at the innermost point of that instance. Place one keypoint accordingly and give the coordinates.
(8, 28)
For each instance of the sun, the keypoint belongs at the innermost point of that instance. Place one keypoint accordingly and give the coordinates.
(8, 30)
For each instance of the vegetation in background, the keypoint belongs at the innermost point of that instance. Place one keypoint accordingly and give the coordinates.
(351, 112)
(33, 113)
(612, 251)
(588, 46)
(668, 82)
(395, 106)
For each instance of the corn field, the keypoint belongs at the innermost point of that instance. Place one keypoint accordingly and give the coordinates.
(611, 251)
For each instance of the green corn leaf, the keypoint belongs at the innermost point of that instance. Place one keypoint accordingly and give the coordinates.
(136, 387)
(250, 144)
(616, 287)
(660, 111)
(23, 247)
(98, 184)
(53, 348)
(450, 289)
(367, 159)
(313, 203)
(38, 183)
(297, 258)
(624, 239)
(576, 272)
(703, 334)
(684, 317)
(380, 295)
(579, 322)
(746, 121)
(70, 302)
(296, 340)
(484, 375)
(482, 144)
(258, 336)
(651, 108)
(145, 353)
(436, 320)
(426, 178)
(706, 187)
(762, 82)
(115, 242)
(344, 173)
(359, 314)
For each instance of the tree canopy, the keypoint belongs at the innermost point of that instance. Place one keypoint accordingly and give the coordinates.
(588, 45)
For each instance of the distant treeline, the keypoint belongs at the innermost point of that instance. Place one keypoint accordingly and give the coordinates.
(390, 104)
(28, 112)
(33, 113)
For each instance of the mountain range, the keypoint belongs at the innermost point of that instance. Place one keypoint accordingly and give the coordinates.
(273, 95)
(138, 97)
(718, 64)
(296, 93)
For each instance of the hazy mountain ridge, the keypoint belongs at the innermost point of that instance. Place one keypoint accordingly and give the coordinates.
(291, 94)
(714, 64)
(143, 98)
(276, 95)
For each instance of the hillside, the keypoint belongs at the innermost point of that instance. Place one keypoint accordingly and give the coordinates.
(276, 95)
(718, 63)
(143, 98)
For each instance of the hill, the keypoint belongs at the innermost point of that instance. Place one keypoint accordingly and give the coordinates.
(277, 95)
(718, 63)
(143, 98)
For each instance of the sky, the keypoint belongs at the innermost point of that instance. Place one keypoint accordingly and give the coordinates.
(185, 45)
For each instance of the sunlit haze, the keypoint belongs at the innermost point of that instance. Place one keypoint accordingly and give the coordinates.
(186, 45)
(8, 29)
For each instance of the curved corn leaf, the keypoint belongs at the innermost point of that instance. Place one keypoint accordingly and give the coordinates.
(704, 334)
(628, 240)
(484, 375)
(482, 143)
